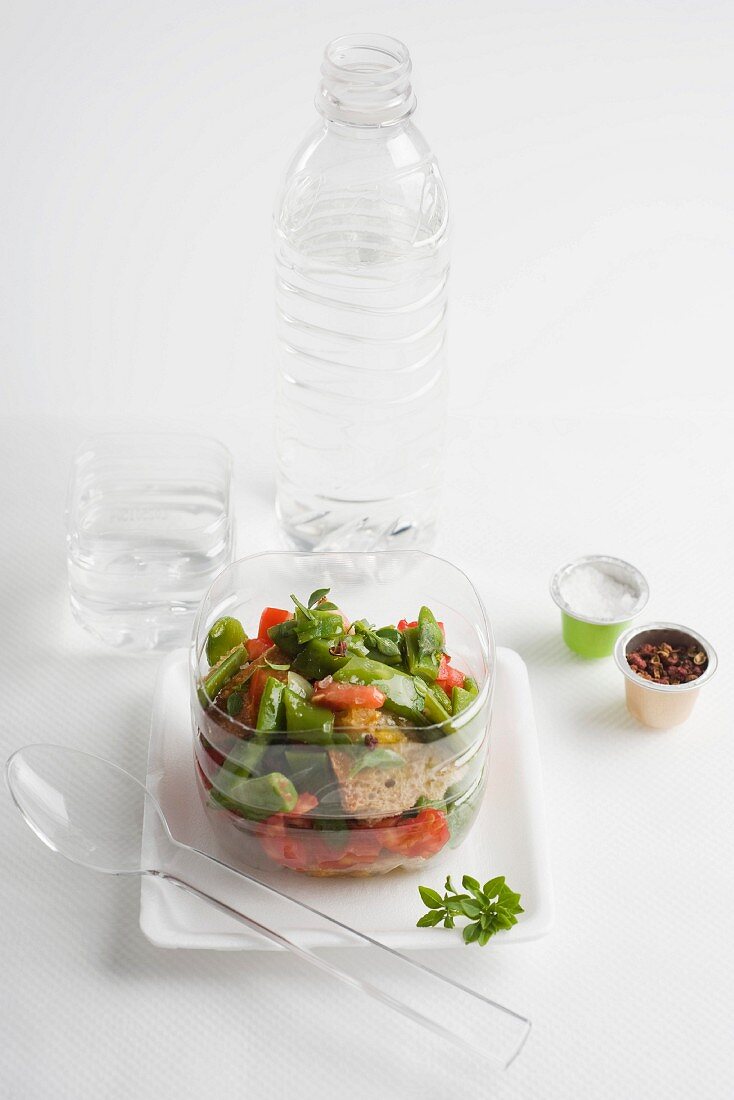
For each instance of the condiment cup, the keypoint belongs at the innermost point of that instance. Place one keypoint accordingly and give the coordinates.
(661, 706)
(596, 637)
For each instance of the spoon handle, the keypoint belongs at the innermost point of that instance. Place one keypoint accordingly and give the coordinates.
(438, 1003)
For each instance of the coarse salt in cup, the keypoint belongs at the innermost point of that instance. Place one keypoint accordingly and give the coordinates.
(661, 706)
(598, 596)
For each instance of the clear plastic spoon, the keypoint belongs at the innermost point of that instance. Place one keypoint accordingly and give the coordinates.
(91, 811)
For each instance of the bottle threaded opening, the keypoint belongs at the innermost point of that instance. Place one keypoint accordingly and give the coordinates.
(365, 80)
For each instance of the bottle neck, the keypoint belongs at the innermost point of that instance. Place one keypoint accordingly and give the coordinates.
(365, 81)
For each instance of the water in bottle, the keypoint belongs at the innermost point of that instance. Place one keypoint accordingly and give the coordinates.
(361, 244)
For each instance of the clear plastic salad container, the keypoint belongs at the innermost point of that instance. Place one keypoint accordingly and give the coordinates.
(345, 731)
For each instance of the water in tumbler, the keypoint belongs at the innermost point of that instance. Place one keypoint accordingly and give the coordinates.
(149, 527)
(361, 243)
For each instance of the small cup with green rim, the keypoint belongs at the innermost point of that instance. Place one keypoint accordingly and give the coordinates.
(596, 637)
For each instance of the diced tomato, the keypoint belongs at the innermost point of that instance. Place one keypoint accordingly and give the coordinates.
(256, 647)
(448, 677)
(419, 836)
(203, 777)
(305, 803)
(255, 689)
(336, 696)
(217, 756)
(283, 844)
(289, 840)
(361, 847)
(271, 616)
(295, 844)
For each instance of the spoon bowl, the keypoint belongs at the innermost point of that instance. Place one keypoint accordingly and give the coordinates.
(83, 807)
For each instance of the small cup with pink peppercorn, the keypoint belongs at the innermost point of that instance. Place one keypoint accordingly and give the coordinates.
(665, 666)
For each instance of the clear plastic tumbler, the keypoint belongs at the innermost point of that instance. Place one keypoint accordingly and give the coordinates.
(149, 527)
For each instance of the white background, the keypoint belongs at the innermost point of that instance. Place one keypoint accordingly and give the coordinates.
(587, 150)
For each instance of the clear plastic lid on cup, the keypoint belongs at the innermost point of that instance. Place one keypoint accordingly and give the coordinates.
(149, 526)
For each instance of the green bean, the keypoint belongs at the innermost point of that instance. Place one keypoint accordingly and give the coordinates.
(224, 635)
(216, 680)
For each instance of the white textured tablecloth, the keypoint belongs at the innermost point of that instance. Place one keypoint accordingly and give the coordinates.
(630, 995)
(587, 151)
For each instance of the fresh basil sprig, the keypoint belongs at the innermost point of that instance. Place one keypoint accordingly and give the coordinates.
(490, 908)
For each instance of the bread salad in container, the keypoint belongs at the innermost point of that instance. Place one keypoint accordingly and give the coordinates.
(328, 744)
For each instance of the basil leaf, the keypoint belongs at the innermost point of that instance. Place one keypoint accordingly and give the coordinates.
(507, 899)
(377, 758)
(386, 646)
(234, 704)
(305, 611)
(493, 887)
(430, 898)
(474, 888)
(472, 932)
(455, 905)
(362, 627)
(429, 919)
(317, 595)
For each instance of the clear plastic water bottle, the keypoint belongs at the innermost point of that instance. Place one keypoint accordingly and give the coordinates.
(361, 244)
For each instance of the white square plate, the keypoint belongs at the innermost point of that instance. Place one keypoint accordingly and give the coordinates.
(508, 837)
